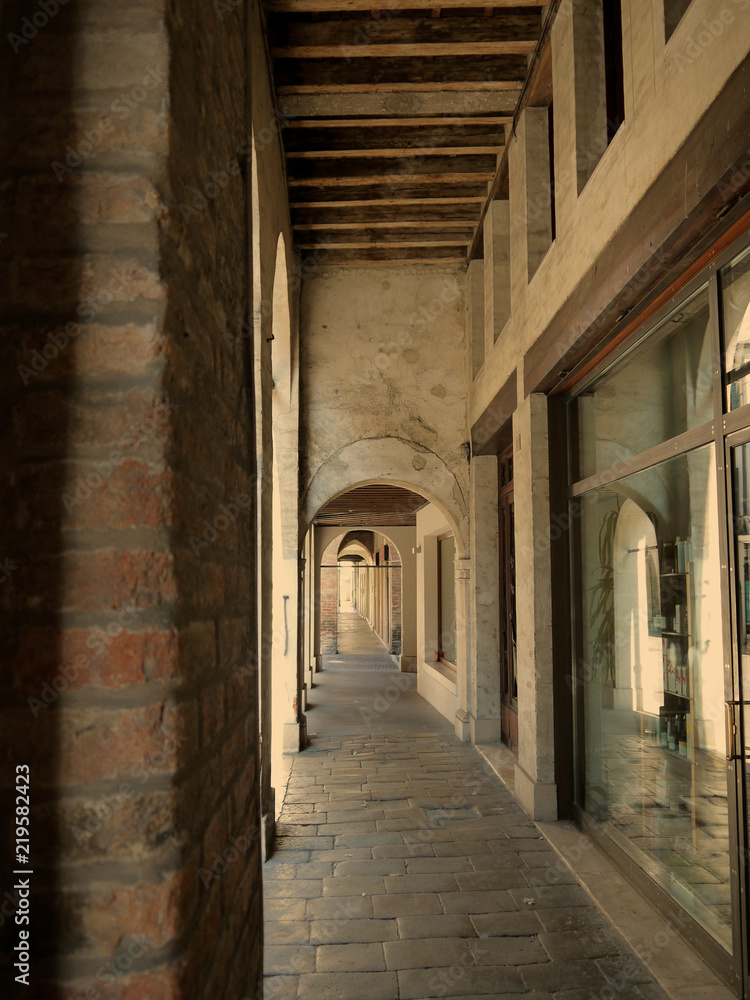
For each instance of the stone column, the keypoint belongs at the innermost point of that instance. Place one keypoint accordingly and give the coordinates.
(464, 632)
(484, 662)
(535, 771)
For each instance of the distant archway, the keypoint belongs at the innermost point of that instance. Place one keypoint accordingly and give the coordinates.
(398, 463)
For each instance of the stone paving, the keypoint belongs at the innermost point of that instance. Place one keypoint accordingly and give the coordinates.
(403, 871)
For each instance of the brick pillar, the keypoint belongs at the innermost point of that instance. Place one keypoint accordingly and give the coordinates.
(126, 624)
(329, 610)
(395, 617)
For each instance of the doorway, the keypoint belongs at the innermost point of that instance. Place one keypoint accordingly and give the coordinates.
(507, 552)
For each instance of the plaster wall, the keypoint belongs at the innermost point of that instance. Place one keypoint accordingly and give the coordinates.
(382, 363)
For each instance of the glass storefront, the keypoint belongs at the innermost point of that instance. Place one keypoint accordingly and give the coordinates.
(653, 691)
(659, 474)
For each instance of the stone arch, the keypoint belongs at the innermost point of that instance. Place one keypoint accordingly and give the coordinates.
(400, 463)
(355, 548)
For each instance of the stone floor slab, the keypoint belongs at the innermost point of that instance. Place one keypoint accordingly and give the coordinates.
(354, 985)
(349, 958)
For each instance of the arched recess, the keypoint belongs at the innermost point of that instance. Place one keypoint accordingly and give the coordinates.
(400, 463)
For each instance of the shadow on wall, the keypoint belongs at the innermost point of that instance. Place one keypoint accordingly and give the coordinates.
(42, 272)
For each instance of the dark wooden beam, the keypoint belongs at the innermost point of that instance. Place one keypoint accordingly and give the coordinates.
(401, 103)
(329, 6)
(401, 255)
(362, 240)
(353, 214)
(401, 153)
(320, 75)
(435, 135)
(375, 191)
(422, 226)
(362, 34)
(391, 170)
(377, 50)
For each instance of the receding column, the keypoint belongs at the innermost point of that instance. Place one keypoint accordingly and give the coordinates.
(485, 607)
(535, 771)
(464, 633)
(474, 318)
(497, 302)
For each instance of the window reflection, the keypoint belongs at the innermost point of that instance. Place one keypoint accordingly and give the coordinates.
(652, 395)
(735, 284)
(650, 665)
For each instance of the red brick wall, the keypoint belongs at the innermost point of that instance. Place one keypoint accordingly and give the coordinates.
(127, 500)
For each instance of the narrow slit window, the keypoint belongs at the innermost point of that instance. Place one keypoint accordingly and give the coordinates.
(613, 67)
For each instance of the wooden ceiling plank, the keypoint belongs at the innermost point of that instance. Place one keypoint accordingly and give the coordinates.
(375, 191)
(402, 153)
(380, 224)
(329, 6)
(403, 104)
(406, 72)
(362, 34)
(389, 255)
(453, 50)
(396, 123)
(482, 85)
(397, 238)
(349, 140)
(377, 202)
(393, 180)
(364, 244)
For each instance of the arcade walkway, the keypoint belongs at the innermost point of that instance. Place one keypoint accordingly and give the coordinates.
(404, 870)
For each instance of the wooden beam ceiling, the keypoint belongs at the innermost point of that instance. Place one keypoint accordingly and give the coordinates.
(394, 119)
(326, 6)
(378, 504)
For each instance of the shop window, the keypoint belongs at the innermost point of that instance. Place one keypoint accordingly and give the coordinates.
(674, 11)
(660, 453)
(649, 658)
(735, 295)
(649, 395)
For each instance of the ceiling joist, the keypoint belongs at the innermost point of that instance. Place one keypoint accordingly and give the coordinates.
(403, 153)
(400, 51)
(329, 6)
(369, 103)
(394, 120)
